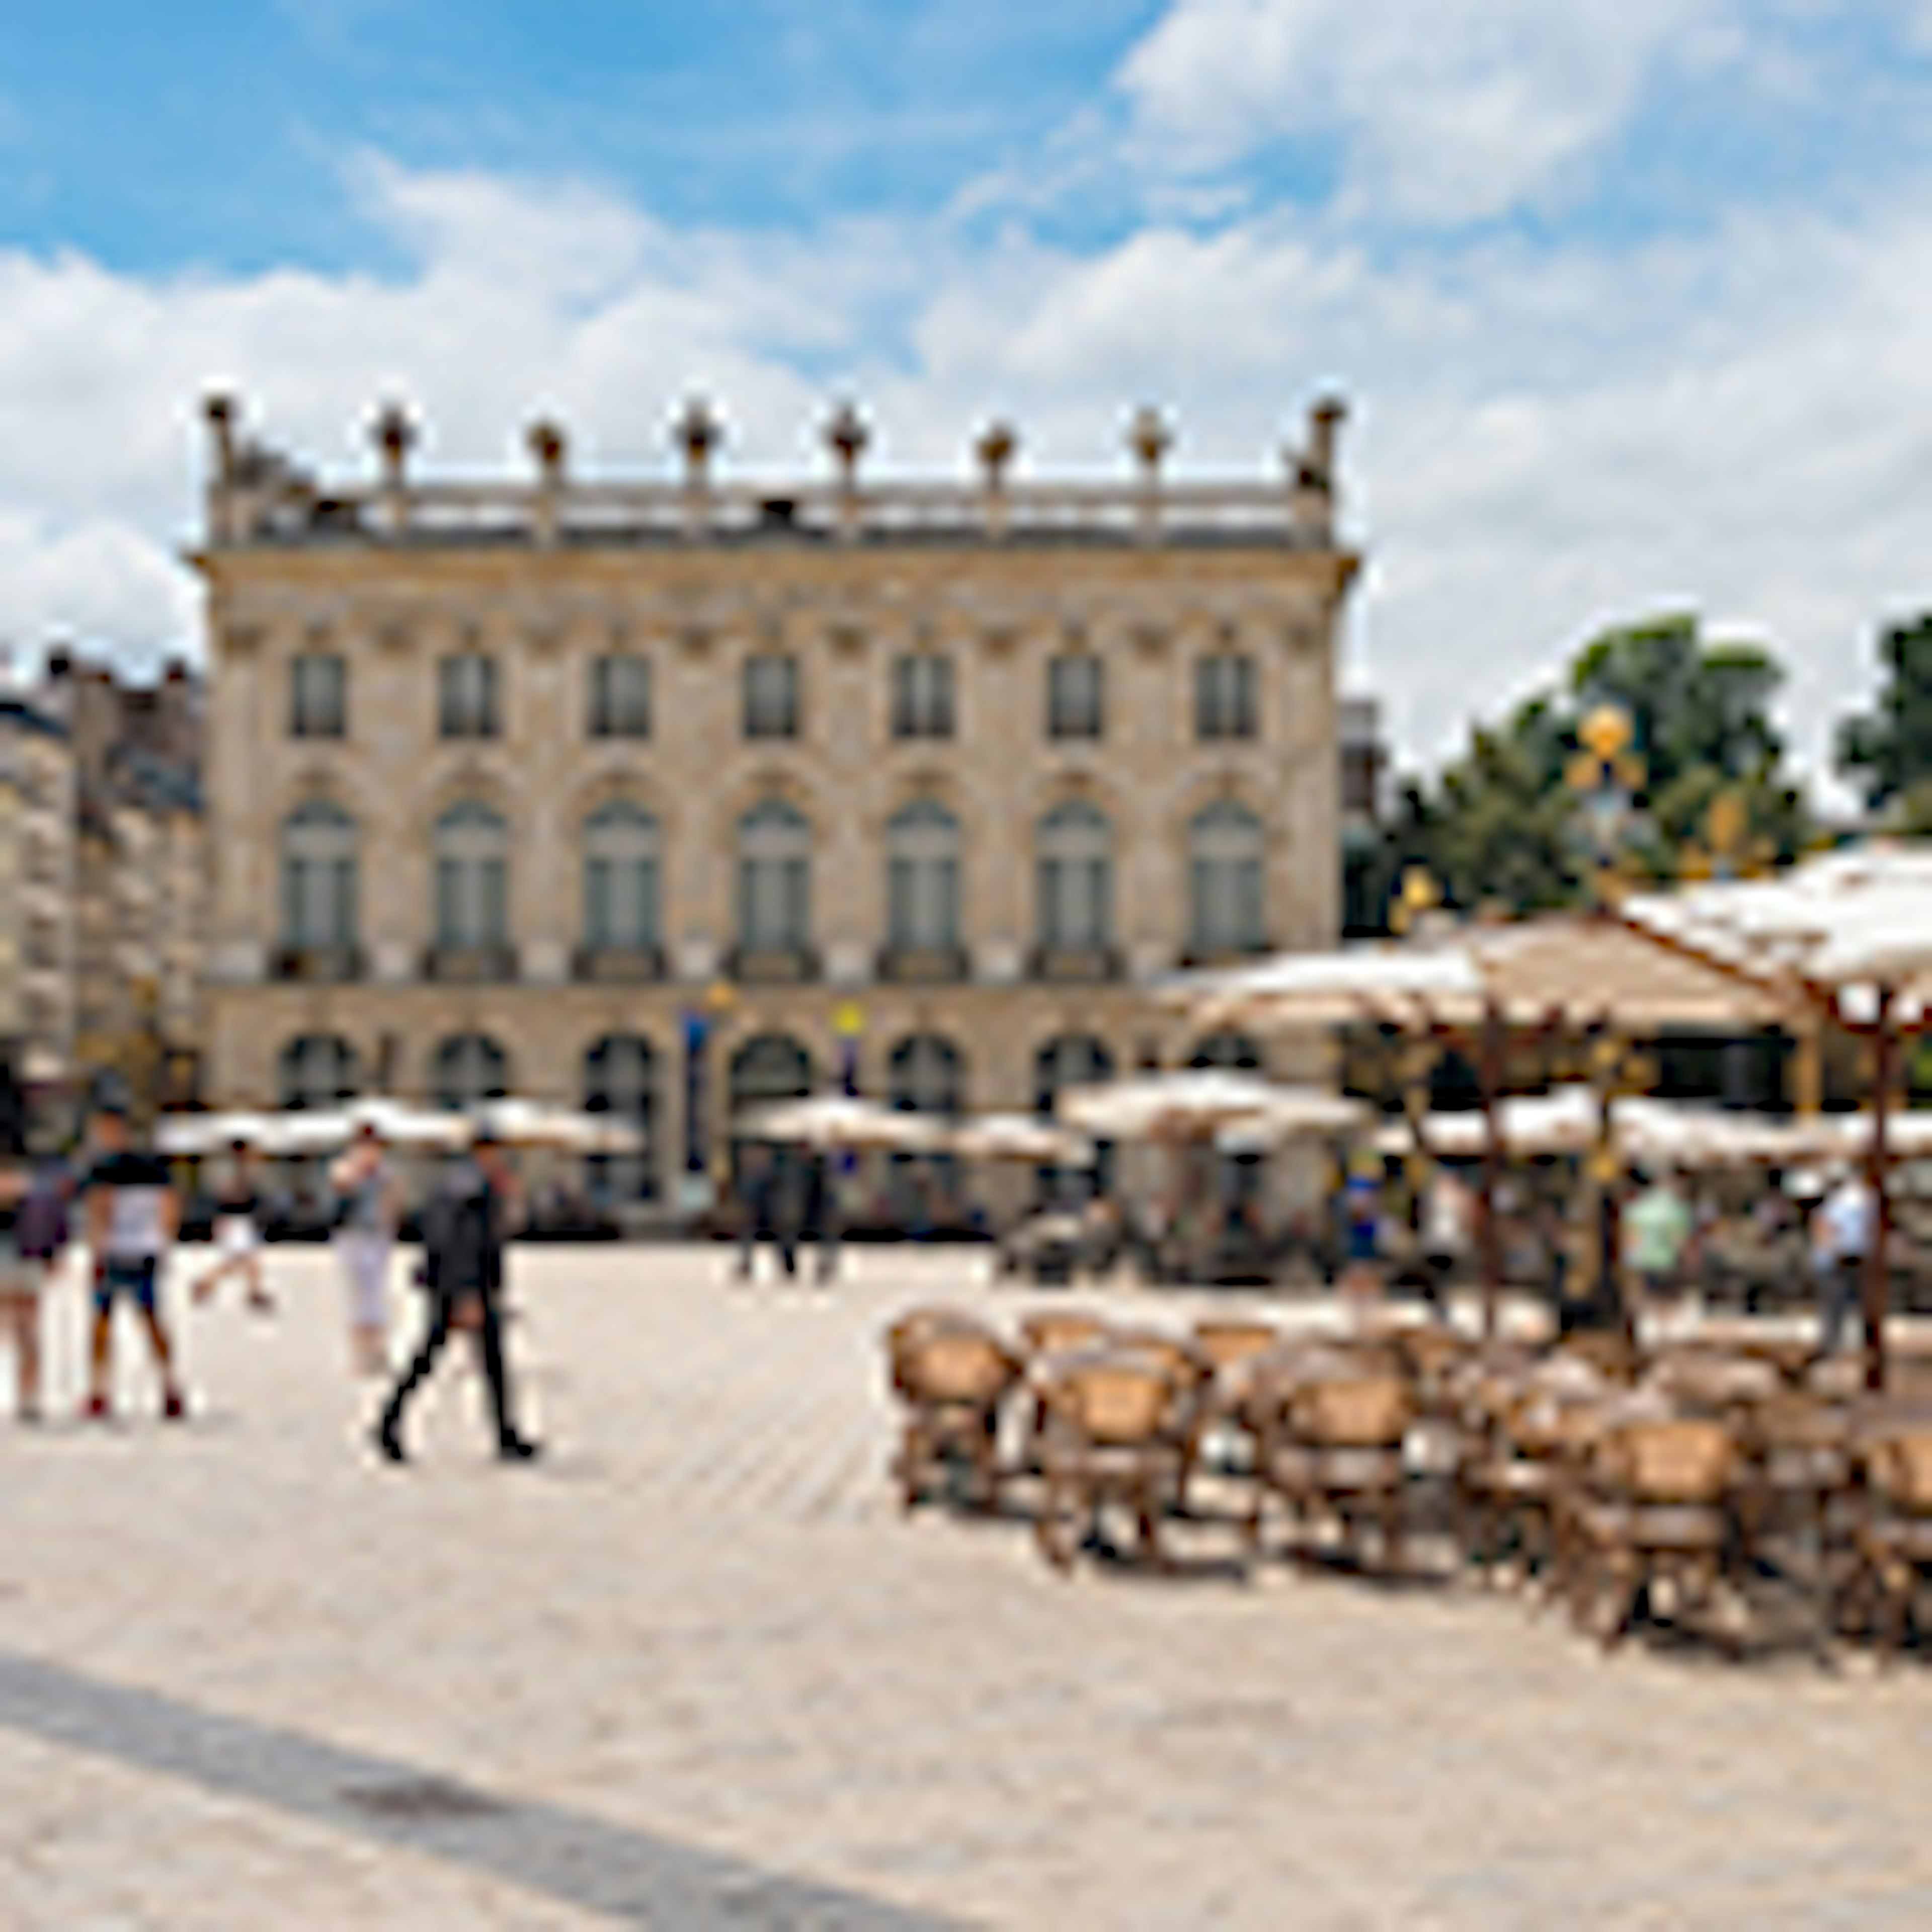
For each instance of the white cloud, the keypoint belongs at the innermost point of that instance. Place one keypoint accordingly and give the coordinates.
(1544, 441)
(1446, 110)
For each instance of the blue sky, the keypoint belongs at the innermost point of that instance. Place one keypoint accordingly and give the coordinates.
(1628, 296)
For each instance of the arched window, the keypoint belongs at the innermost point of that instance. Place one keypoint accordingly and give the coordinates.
(318, 876)
(471, 877)
(1072, 1060)
(774, 879)
(318, 1070)
(1076, 878)
(1234, 1051)
(923, 878)
(620, 1078)
(1226, 848)
(470, 1068)
(928, 1074)
(620, 878)
(770, 1066)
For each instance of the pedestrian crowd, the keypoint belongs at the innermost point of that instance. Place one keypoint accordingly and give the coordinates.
(118, 1205)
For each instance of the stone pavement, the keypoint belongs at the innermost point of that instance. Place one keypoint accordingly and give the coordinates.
(695, 1669)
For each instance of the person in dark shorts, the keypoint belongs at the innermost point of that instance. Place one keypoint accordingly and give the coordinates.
(132, 1215)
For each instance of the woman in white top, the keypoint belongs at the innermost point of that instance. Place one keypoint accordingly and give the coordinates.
(365, 1238)
(237, 1240)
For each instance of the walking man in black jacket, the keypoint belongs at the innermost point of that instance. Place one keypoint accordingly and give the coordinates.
(465, 1230)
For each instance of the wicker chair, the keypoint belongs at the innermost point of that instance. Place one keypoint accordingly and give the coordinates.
(1657, 1511)
(1111, 1433)
(1331, 1447)
(1894, 1542)
(953, 1374)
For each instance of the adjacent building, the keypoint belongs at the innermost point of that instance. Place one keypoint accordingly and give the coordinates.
(37, 888)
(670, 796)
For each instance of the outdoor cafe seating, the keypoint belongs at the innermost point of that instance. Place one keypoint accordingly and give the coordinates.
(1724, 1487)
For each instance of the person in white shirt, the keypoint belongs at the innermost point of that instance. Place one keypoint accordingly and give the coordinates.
(1842, 1232)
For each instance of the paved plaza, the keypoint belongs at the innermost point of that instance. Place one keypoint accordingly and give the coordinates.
(695, 1669)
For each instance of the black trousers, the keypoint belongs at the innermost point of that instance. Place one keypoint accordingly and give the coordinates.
(489, 1347)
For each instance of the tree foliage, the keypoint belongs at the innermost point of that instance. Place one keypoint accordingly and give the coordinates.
(1888, 751)
(1502, 824)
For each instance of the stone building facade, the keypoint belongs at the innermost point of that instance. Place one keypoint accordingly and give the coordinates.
(36, 888)
(672, 795)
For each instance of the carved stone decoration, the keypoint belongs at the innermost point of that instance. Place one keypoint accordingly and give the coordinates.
(847, 436)
(1149, 439)
(550, 447)
(394, 436)
(697, 432)
(999, 443)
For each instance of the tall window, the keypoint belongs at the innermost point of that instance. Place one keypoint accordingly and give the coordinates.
(771, 695)
(1075, 859)
(318, 695)
(923, 878)
(318, 876)
(1072, 1060)
(470, 1068)
(1076, 696)
(774, 878)
(620, 878)
(1226, 704)
(1225, 848)
(928, 1074)
(472, 878)
(921, 695)
(620, 1078)
(620, 697)
(1233, 1052)
(769, 1066)
(467, 696)
(318, 1070)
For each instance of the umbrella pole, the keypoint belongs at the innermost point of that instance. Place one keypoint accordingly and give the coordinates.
(1488, 1074)
(1877, 1281)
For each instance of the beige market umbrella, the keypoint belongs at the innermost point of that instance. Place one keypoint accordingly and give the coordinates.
(1475, 989)
(1019, 1137)
(1850, 934)
(1198, 1105)
(843, 1121)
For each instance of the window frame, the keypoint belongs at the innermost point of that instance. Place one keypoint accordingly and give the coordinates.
(924, 696)
(614, 711)
(777, 714)
(318, 713)
(1071, 720)
(468, 696)
(1227, 697)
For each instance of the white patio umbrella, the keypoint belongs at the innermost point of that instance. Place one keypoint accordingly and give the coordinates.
(1019, 1137)
(193, 1134)
(1564, 1121)
(1851, 933)
(844, 1120)
(540, 1124)
(1198, 1104)
(1474, 989)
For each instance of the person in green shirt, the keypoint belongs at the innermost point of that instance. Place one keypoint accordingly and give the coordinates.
(1657, 1227)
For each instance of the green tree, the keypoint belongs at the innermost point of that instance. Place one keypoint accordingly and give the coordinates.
(1501, 823)
(1890, 748)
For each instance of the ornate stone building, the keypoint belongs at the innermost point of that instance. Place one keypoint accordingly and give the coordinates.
(36, 888)
(668, 796)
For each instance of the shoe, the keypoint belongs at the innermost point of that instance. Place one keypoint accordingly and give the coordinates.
(173, 1409)
(519, 1449)
(388, 1443)
(95, 1409)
